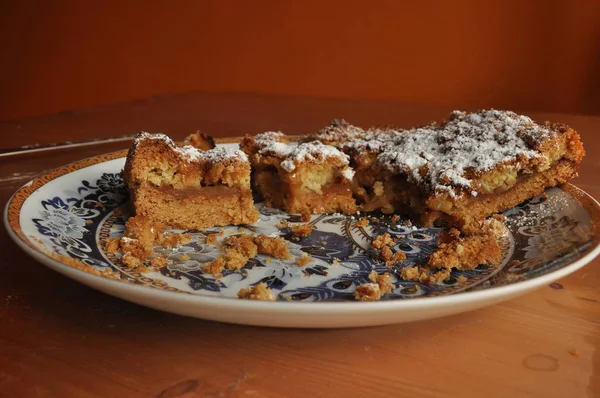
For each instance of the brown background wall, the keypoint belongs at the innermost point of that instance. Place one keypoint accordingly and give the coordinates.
(525, 55)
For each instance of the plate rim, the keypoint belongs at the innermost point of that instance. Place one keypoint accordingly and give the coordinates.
(11, 218)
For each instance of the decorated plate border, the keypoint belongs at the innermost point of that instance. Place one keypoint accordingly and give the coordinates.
(15, 203)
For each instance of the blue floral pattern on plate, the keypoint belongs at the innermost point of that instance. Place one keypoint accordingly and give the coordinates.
(543, 234)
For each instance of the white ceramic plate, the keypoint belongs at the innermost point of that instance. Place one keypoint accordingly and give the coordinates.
(69, 212)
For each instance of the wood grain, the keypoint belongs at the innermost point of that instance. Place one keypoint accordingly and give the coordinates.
(61, 339)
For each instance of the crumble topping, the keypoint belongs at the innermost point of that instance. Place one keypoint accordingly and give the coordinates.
(200, 141)
(441, 157)
(315, 152)
(270, 144)
(338, 131)
(191, 154)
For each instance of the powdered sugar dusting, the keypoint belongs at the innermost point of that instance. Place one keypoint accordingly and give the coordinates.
(142, 136)
(348, 174)
(346, 136)
(291, 154)
(314, 152)
(269, 144)
(438, 157)
(215, 155)
(192, 154)
(338, 131)
(288, 165)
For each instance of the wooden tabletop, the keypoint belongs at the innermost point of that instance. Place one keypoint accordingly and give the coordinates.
(61, 339)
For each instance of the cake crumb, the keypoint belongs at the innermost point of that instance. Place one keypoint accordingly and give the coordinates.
(323, 242)
(304, 259)
(244, 244)
(466, 253)
(382, 240)
(256, 292)
(241, 248)
(158, 261)
(396, 259)
(363, 222)
(424, 275)
(390, 257)
(493, 225)
(302, 230)
(410, 273)
(431, 278)
(335, 261)
(383, 280)
(386, 253)
(462, 279)
(111, 245)
(130, 260)
(268, 260)
(211, 239)
(184, 257)
(171, 240)
(284, 224)
(238, 250)
(305, 216)
(135, 248)
(395, 218)
(215, 267)
(367, 292)
(200, 140)
(272, 246)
